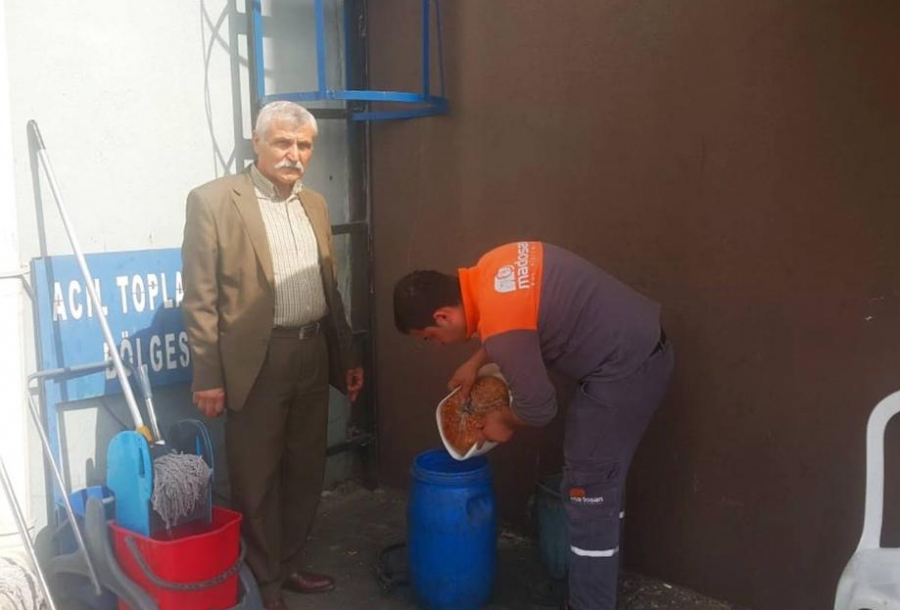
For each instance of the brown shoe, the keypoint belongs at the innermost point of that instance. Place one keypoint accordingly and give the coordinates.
(308, 582)
(276, 604)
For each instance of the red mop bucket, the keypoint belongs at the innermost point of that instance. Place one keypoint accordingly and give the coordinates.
(193, 567)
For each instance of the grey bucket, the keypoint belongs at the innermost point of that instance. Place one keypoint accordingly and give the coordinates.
(553, 535)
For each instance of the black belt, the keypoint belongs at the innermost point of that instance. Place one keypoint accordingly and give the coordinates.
(661, 343)
(298, 332)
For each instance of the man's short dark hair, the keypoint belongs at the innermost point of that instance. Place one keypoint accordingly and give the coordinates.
(421, 293)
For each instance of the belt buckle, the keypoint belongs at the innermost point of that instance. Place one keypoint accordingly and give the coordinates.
(308, 331)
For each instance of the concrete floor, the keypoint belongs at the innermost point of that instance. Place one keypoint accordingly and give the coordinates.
(355, 524)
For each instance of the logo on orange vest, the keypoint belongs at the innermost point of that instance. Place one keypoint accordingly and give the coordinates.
(517, 275)
(505, 280)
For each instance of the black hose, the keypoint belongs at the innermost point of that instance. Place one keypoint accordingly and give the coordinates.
(387, 572)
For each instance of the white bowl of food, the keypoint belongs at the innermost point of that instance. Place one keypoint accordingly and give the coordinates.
(459, 420)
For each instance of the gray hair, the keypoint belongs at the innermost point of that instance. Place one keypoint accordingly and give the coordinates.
(289, 112)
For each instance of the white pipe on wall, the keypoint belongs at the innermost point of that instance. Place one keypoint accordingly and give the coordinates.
(13, 425)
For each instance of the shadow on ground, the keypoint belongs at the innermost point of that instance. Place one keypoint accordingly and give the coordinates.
(355, 524)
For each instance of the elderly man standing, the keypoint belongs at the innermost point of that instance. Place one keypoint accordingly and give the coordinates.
(268, 334)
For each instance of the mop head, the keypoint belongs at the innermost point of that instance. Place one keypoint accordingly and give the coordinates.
(180, 486)
(19, 587)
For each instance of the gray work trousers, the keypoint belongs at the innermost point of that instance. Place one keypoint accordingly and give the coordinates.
(604, 426)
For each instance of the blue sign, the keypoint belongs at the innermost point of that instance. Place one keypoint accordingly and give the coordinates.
(141, 295)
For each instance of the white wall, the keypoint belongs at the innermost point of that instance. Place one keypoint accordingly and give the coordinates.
(138, 103)
(12, 415)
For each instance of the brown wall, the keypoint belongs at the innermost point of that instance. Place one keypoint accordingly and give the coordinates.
(739, 162)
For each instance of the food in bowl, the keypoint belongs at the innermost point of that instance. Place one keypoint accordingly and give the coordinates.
(461, 419)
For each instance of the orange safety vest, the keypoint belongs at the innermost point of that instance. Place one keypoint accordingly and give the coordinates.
(503, 291)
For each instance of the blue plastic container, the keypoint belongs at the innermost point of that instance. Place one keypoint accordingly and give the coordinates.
(451, 532)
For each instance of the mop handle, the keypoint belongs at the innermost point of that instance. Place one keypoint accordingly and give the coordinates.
(140, 372)
(92, 290)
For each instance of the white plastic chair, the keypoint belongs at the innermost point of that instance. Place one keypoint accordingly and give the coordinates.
(871, 579)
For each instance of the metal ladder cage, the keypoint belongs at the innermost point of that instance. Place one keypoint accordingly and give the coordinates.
(423, 104)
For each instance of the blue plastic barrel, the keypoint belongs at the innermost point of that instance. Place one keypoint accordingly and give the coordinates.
(451, 532)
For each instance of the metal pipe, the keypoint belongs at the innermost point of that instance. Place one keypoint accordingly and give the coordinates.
(360, 440)
(70, 371)
(259, 65)
(89, 281)
(143, 379)
(76, 531)
(320, 45)
(23, 531)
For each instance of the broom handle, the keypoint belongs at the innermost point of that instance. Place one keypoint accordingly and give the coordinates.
(92, 291)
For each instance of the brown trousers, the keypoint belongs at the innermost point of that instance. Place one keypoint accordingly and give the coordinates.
(275, 448)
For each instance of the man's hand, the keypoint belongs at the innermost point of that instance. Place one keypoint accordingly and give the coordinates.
(495, 429)
(499, 426)
(355, 379)
(211, 402)
(467, 373)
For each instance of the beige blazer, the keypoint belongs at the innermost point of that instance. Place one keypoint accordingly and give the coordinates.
(229, 290)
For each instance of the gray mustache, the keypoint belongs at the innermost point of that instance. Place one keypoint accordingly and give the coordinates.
(290, 164)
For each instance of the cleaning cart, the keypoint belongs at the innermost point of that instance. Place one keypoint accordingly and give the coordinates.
(178, 570)
(134, 555)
